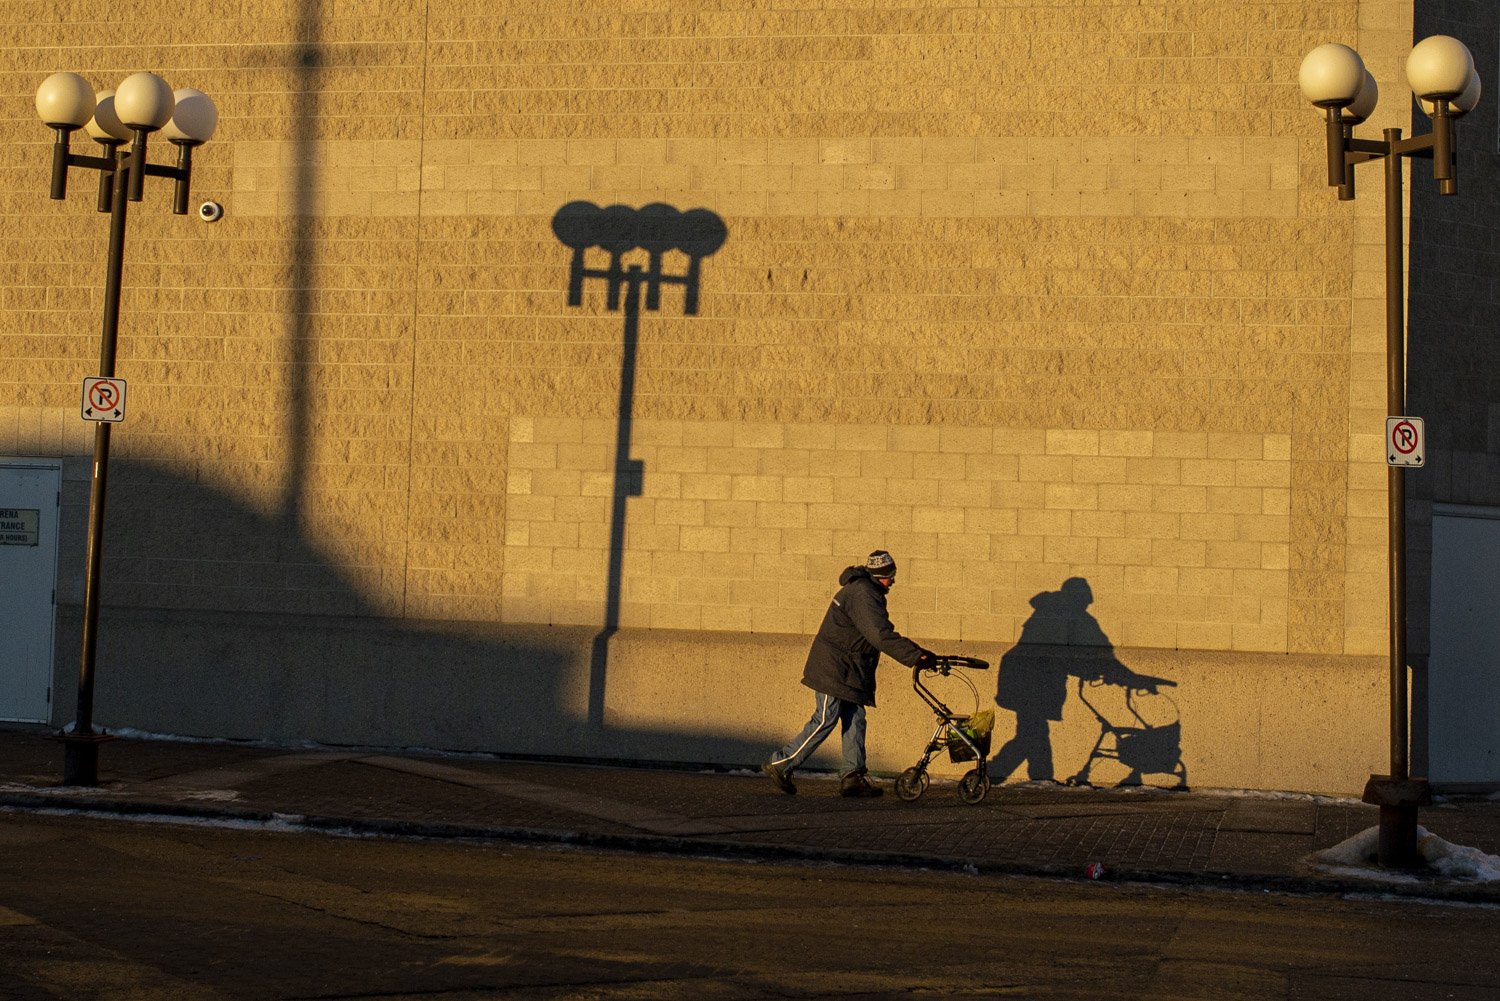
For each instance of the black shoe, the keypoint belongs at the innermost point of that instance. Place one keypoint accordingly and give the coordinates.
(860, 786)
(779, 778)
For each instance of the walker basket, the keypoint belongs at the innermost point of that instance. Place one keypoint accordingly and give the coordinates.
(1149, 749)
(958, 751)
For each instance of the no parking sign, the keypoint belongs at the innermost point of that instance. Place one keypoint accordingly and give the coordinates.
(103, 400)
(1405, 441)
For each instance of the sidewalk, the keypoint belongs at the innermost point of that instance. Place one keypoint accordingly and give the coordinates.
(1210, 838)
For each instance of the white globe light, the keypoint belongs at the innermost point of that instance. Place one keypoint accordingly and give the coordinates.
(193, 119)
(1460, 105)
(144, 101)
(1363, 105)
(1331, 75)
(106, 125)
(1439, 67)
(65, 99)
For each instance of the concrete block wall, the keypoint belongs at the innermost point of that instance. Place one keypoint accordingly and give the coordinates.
(1183, 536)
(1021, 292)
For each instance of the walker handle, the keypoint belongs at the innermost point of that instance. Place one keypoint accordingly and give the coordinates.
(943, 664)
(947, 662)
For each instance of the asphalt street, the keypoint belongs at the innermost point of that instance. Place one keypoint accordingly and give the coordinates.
(110, 908)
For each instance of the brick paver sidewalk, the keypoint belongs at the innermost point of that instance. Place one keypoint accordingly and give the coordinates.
(1148, 834)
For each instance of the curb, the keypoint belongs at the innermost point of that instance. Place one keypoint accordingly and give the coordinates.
(655, 844)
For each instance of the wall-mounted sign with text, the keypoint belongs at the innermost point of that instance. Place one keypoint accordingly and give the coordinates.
(20, 526)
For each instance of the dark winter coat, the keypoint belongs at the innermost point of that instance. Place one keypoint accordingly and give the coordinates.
(854, 633)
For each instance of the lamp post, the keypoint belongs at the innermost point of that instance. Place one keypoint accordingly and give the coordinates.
(142, 104)
(1442, 76)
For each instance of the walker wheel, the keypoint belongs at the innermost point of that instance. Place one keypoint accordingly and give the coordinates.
(973, 787)
(911, 784)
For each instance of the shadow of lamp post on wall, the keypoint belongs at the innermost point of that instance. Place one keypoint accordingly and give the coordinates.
(657, 229)
(1441, 72)
(119, 121)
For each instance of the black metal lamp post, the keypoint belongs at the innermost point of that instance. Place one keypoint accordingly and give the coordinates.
(1333, 77)
(142, 104)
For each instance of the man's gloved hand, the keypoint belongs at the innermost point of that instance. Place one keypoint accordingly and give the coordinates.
(927, 661)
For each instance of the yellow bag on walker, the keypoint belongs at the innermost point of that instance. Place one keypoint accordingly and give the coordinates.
(977, 728)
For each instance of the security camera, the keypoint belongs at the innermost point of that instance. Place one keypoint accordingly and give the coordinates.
(210, 211)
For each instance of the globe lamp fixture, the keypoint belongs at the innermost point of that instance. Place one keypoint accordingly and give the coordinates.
(1333, 78)
(142, 104)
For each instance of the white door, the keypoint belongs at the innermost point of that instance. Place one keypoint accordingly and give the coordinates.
(29, 493)
(1464, 676)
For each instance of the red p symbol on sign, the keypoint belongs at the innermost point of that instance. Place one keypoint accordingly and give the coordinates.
(1405, 441)
(103, 399)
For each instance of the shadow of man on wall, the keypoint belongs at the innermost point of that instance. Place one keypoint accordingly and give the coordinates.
(1059, 641)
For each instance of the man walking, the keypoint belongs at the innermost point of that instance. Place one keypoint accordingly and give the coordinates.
(841, 672)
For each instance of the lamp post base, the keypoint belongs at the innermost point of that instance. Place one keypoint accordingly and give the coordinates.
(81, 757)
(1398, 800)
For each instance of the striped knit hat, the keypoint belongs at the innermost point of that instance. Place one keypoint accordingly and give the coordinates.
(880, 564)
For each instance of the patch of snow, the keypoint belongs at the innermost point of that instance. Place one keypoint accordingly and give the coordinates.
(130, 733)
(68, 792)
(1052, 785)
(1273, 794)
(1355, 856)
(283, 823)
(1457, 861)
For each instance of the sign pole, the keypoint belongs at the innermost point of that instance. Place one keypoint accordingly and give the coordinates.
(1398, 794)
(81, 747)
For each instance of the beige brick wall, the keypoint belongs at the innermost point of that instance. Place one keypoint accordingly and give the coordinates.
(746, 526)
(1020, 291)
(1161, 429)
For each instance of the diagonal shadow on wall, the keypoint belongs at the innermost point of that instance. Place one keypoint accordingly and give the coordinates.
(305, 657)
(307, 70)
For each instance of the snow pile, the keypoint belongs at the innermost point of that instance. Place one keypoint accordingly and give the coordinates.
(1357, 855)
(1276, 795)
(1458, 862)
(130, 733)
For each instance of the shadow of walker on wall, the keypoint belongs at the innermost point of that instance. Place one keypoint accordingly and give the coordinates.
(659, 230)
(1139, 725)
